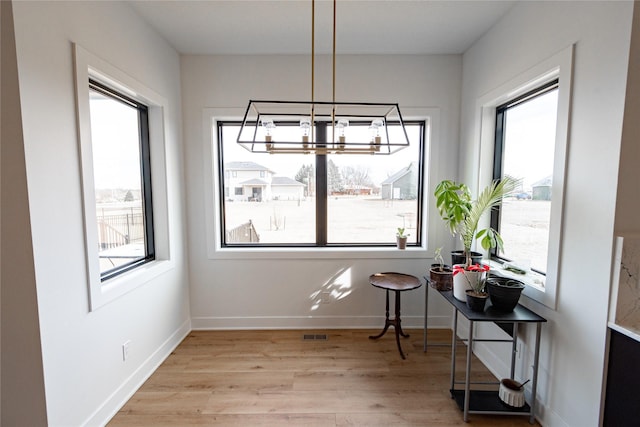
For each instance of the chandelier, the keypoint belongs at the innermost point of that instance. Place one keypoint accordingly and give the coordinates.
(324, 127)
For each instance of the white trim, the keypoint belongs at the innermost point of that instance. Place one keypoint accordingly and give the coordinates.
(559, 66)
(86, 66)
(312, 322)
(126, 390)
(211, 196)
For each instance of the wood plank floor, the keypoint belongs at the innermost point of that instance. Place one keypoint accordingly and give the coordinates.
(275, 378)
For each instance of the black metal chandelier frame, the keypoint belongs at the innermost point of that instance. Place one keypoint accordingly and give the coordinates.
(258, 132)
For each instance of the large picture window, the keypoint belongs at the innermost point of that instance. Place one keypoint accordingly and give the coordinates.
(524, 149)
(319, 200)
(122, 180)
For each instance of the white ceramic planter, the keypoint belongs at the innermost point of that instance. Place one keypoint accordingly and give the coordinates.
(464, 281)
(510, 396)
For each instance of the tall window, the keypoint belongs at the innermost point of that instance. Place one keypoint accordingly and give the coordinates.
(122, 179)
(319, 200)
(524, 149)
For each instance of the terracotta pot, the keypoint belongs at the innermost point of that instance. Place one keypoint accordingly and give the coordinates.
(402, 242)
(441, 280)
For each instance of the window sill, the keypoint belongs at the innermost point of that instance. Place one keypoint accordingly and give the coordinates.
(127, 282)
(534, 284)
(530, 278)
(319, 253)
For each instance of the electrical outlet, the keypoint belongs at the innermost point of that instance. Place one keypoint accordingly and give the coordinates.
(125, 350)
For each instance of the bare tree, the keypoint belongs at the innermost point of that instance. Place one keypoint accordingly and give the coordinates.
(357, 176)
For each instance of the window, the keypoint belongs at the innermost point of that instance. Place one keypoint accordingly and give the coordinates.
(525, 140)
(295, 200)
(141, 128)
(122, 180)
(547, 82)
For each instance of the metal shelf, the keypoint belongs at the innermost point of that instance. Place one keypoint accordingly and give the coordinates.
(487, 402)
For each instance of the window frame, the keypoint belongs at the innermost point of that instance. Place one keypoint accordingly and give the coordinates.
(540, 288)
(498, 158)
(321, 186)
(145, 171)
(102, 292)
(211, 198)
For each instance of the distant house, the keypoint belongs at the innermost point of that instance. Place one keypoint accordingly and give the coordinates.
(357, 190)
(402, 185)
(247, 181)
(541, 190)
(285, 188)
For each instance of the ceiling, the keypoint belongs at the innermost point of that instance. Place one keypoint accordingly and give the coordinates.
(284, 26)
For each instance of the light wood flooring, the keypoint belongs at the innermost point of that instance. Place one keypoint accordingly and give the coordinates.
(275, 378)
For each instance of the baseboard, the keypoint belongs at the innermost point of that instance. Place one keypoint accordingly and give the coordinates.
(312, 322)
(118, 398)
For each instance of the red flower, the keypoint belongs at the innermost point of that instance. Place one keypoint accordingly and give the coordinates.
(476, 267)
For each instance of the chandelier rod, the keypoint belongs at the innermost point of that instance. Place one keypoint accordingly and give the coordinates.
(333, 83)
(313, 44)
(334, 52)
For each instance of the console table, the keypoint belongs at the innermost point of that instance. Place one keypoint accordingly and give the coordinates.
(487, 401)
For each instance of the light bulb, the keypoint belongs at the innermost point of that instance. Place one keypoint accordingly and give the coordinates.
(342, 126)
(268, 126)
(305, 128)
(376, 124)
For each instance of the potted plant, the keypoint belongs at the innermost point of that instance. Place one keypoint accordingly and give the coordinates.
(440, 274)
(475, 276)
(504, 292)
(462, 216)
(401, 238)
(454, 203)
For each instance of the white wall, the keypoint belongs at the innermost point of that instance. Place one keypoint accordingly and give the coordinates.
(85, 377)
(574, 339)
(22, 372)
(262, 293)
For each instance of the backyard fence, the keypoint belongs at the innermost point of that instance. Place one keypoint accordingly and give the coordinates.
(245, 233)
(120, 229)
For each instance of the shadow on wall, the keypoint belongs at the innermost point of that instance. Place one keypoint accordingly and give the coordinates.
(338, 287)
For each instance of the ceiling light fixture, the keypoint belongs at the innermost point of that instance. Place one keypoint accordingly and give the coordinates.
(261, 131)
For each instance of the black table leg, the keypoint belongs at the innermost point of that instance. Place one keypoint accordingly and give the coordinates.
(396, 323)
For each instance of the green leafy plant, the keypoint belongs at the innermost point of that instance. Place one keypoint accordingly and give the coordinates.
(462, 215)
(401, 232)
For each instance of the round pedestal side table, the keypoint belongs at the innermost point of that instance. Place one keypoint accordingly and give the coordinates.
(397, 282)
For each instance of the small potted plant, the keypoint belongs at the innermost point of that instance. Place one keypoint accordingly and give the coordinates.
(462, 216)
(401, 238)
(475, 276)
(440, 274)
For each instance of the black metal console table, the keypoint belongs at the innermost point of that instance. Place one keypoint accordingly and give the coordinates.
(487, 401)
